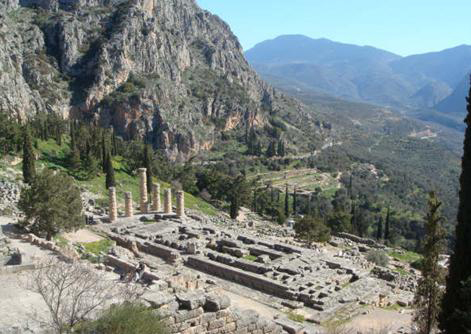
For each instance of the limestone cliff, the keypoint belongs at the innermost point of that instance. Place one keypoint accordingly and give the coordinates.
(162, 68)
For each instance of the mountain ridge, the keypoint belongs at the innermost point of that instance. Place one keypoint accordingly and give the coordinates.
(363, 73)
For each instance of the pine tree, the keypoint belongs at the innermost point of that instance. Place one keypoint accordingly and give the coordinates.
(428, 294)
(287, 201)
(52, 204)
(147, 163)
(387, 225)
(456, 307)
(379, 230)
(110, 180)
(29, 170)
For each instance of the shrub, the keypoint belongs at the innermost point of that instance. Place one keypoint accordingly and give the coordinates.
(312, 229)
(378, 257)
(125, 318)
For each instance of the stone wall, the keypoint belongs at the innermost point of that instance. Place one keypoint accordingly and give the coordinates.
(239, 276)
(357, 239)
(161, 251)
(199, 312)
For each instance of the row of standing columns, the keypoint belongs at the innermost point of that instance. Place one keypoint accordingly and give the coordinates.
(144, 201)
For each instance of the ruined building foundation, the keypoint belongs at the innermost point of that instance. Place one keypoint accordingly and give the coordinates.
(128, 209)
(113, 214)
(168, 201)
(143, 190)
(180, 204)
(156, 205)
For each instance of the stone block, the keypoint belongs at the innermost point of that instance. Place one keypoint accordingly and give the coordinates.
(208, 317)
(215, 303)
(218, 323)
(290, 326)
(158, 299)
(184, 315)
(242, 330)
(230, 327)
(263, 259)
(222, 314)
(192, 300)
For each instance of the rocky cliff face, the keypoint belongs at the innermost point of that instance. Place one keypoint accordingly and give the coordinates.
(162, 68)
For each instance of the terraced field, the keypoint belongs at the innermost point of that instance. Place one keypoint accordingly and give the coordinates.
(303, 179)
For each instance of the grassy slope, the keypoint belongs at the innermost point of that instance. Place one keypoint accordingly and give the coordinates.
(53, 156)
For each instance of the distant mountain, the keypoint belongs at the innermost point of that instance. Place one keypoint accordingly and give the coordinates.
(302, 49)
(362, 73)
(448, 66)
(456, 102)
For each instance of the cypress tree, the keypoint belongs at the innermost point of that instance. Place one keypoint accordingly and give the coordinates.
(103, 152)
(74, 158)
(428, 294)
(252, 142)
(29, 170)
(456, 307)
(295, 204)
(387, 227)
(281, 148)
(286, 201)
(254, 202)
(271, 150)
(110, 180)
(379, 230)
(353, 218)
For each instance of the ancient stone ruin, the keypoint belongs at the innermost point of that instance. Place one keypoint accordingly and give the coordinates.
(323, 282)
(113, 207)
(143, 190)
(128, 205)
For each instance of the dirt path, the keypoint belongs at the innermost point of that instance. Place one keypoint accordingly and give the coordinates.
(379, 319)
(82, 235)
(245, 303)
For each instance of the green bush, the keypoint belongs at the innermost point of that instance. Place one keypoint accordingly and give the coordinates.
(312, 229)
(126, 318)
(378, 257)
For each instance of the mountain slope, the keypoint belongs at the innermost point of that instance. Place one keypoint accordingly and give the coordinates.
(455, 104)
(171, 73)
(447, 66)
(166, 70)
(362, 73)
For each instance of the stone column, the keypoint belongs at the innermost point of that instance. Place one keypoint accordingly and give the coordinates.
(128, 209)
(168, 201)
(156, 206)
(180, 204)
(113, 209)
(143, 189)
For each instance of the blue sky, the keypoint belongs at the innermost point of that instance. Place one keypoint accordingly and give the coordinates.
(404, 27)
